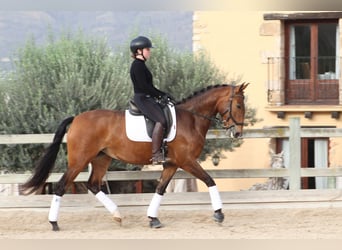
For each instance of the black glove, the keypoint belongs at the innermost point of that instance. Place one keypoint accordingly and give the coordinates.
(165, 100)
(170, 98)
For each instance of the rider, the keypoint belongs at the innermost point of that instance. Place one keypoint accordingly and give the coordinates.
(146, 95)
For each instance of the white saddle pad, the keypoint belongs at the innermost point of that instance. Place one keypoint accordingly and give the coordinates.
(136, 127)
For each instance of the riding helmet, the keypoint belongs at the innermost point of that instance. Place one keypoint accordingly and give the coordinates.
(140, 42)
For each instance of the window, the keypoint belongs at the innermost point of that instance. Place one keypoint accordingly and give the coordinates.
(312, 63)
(314, 154)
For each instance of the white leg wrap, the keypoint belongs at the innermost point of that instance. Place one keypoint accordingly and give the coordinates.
(152, 210)
(107, 203)
(215, 198)
(54, 208)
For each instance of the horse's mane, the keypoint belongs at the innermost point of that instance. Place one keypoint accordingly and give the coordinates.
(201, 91)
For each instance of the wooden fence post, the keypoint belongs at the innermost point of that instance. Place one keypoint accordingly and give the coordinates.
(295, 154)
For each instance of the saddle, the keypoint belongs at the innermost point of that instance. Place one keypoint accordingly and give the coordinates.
(135, 111)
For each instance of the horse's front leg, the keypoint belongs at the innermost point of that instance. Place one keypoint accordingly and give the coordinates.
(196, 170)
(152, 211)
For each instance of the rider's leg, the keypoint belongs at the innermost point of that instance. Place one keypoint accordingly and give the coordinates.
(157, 139)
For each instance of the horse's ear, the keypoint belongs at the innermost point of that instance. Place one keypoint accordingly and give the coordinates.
(243, 86)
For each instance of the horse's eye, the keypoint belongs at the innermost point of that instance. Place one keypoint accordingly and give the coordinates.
(238, 106)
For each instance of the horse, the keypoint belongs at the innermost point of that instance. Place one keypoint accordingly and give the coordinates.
(98, 136)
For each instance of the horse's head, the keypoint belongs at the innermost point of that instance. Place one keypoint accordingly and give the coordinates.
(232, 110)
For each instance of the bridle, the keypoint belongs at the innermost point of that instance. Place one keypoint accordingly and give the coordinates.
(230, 108)
(229, 111)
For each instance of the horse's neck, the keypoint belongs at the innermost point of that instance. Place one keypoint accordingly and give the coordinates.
(201, 105)
(203, 109)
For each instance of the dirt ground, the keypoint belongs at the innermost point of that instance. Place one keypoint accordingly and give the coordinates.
(96, 223)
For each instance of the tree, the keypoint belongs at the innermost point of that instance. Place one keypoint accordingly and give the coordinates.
(50, 82)
(75, 73)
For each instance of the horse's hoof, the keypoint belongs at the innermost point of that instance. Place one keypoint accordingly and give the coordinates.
(155, 223)
(55, 226)
(117, 217)
(118, 220)
(219, 216)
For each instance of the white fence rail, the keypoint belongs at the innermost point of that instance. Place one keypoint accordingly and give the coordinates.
(294, 172)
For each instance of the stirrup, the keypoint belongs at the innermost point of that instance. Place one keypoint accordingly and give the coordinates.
(158, 158)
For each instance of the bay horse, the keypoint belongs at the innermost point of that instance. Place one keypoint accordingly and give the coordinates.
(97, 136)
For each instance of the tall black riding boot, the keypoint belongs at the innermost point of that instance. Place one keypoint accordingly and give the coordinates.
(157, 139)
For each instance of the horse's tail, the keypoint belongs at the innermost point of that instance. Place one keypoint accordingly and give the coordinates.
(47, 161)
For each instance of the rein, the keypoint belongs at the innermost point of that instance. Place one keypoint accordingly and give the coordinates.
(210, 118)
(215, 119)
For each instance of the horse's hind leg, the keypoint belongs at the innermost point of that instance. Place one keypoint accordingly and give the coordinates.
(77, 161)
(100, 165)
(62, 186)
